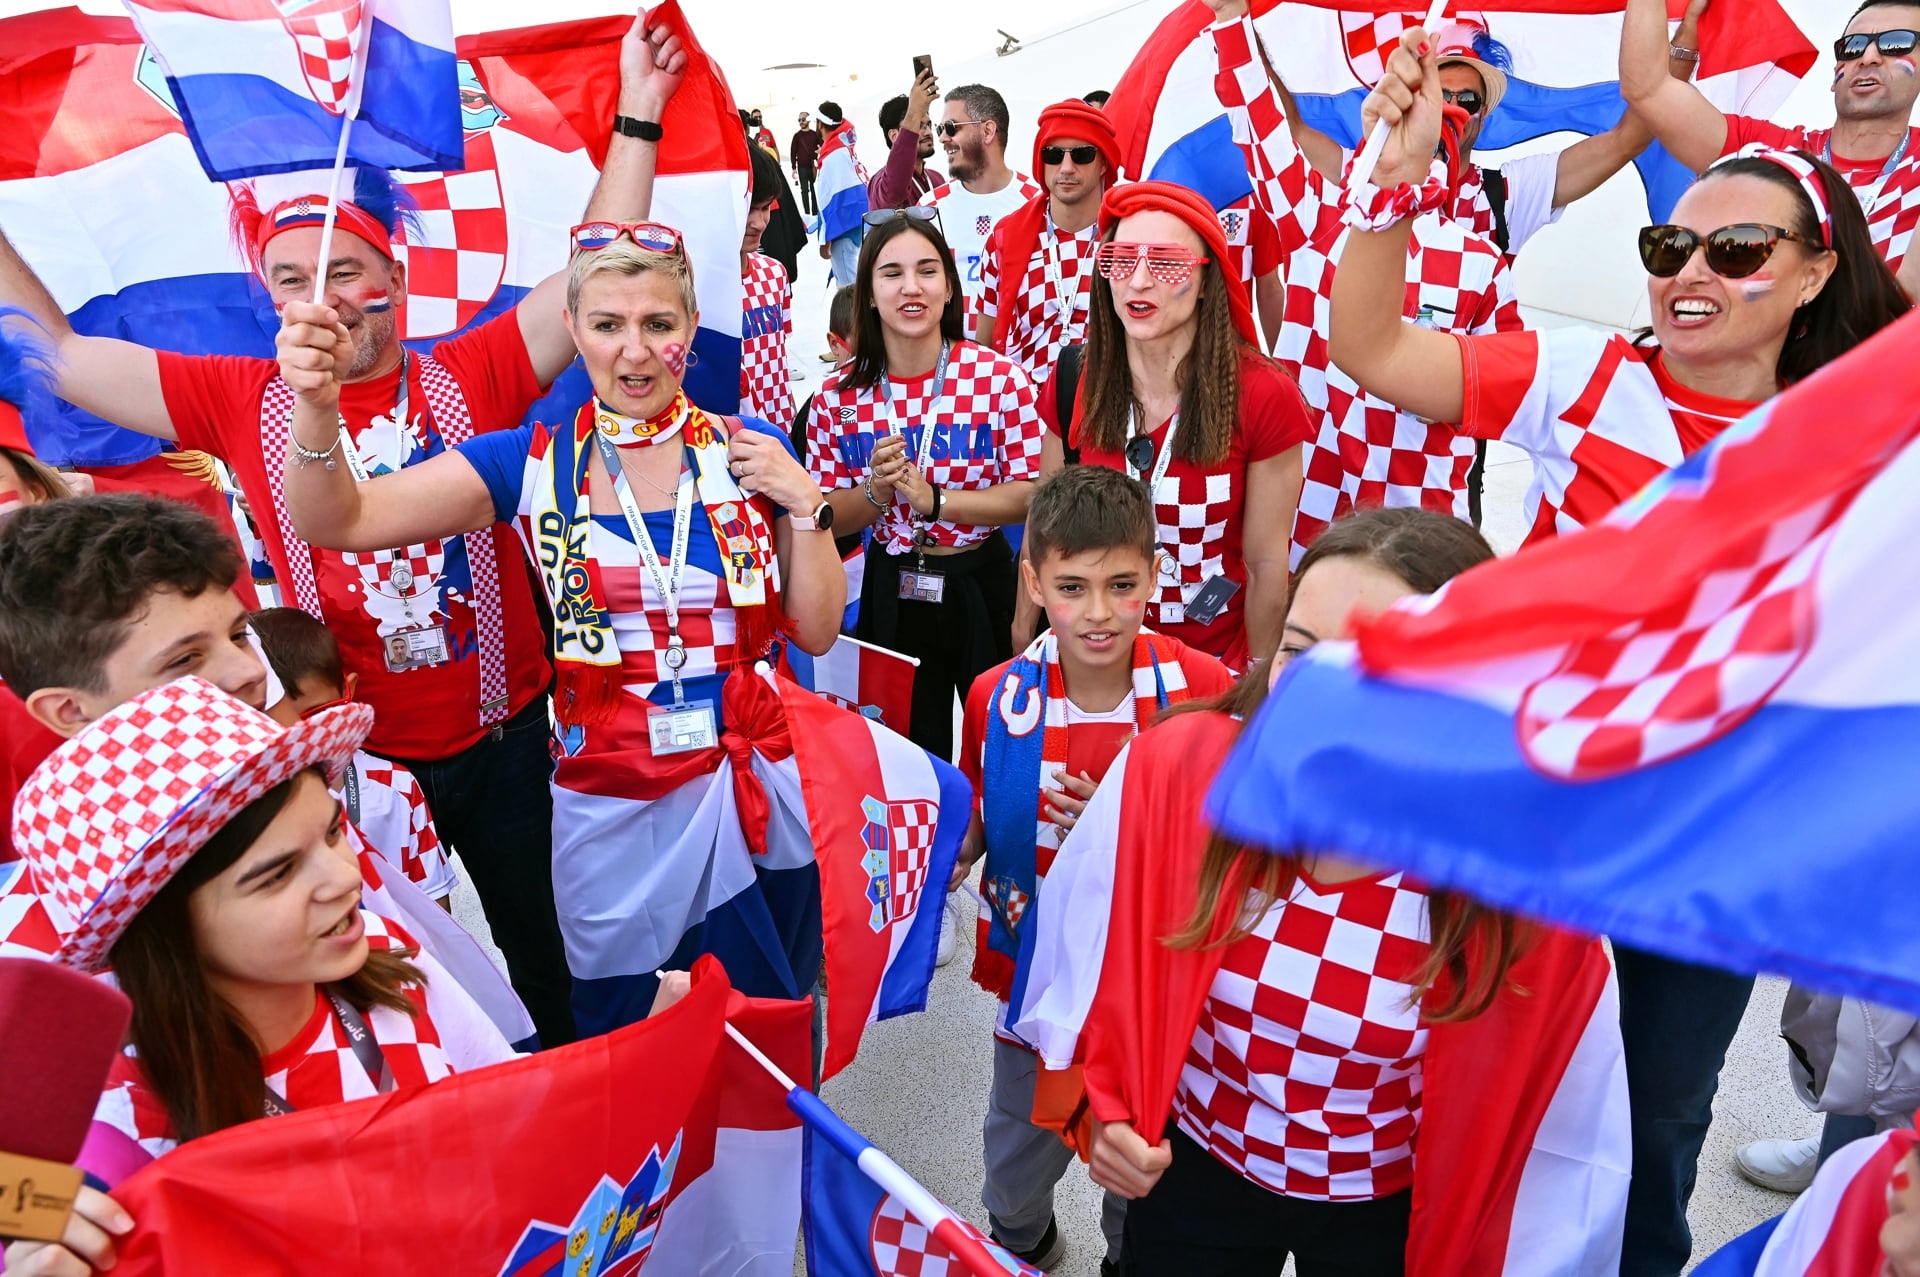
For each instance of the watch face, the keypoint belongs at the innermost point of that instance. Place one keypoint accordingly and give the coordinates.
(823, 517)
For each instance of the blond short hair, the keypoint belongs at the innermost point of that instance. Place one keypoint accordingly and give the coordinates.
(624, 257)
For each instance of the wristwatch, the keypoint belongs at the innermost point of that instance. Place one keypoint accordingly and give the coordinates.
(820, 521)
(644, 130)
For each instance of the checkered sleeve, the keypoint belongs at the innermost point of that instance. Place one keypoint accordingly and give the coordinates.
(824, 462)
(1021, 431)
(1507, 388)
(1294, 196)
(786, 304)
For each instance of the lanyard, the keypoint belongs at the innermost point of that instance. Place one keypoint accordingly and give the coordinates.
(1872, 192)
(935, 391)
(1052, 261)
(666, 581)
(400, 421)
(365, 1050)
(1163, 455)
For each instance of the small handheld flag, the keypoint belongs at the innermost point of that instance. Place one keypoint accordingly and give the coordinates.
(1369, 157)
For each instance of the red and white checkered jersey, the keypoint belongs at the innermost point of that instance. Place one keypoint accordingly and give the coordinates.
(1366, 452)
(967, 219)
(448, 1033)
(396, 823)
(1598, 414)
(985, 428)
(1304, 1070)
(1200, 512)
(1253, 244)
(1891, 200)
(1038, 322)
(1530, 180)
(766, 391)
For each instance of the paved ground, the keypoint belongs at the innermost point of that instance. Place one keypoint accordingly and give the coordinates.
(919, 1087)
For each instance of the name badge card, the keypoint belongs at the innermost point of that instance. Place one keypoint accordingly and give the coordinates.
(681, 729)
(923, 587)
(415, 648)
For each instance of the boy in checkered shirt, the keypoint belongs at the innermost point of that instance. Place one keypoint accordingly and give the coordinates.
(1039, 733)
(382, 798)
(766, 319)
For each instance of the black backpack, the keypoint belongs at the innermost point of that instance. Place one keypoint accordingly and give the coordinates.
(1066, 391)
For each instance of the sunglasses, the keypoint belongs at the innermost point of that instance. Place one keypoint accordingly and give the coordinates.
(1895, 44)
(922, 213)
(1168, 263)
(590, 237)
(1081, 154)
(1467, 100)
(1140, 455)
(951, 128)
(1733, 252)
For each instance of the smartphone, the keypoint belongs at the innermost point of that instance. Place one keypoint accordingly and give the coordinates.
(922, 63)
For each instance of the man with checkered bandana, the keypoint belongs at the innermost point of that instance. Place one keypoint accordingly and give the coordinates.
(444, 636)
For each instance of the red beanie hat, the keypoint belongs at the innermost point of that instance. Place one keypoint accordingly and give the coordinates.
(1183, 203)
(1075, 119)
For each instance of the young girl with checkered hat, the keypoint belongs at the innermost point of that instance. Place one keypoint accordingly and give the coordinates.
(1175, 391)
(935, 442)
(193, 847)
(1297, 1055)
(1765, 272)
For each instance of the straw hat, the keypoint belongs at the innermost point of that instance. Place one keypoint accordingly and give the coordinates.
(1456, 45)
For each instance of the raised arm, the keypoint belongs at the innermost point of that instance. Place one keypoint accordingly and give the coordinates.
(652, 63)
(1326, 155)
(895, 179)
(438, 498)
(1678, 114)
(1294, 195)
(1587, 163)
(113, 379)
(1414, 368)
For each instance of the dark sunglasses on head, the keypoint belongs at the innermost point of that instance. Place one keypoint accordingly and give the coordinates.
(951, 128)
(1894, 44)
(1733, 252)
(1080, 154)
(1468, 100)
(913, 213)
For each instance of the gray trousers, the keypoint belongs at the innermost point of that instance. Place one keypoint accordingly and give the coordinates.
(1025, 1161)
(846, 256)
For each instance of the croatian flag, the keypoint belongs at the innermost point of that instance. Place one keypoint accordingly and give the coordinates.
(841, 185)
(661, 1145)
(866, 1217)
(1833, 1228)
(872, 681)
(886, 819)
(1691, 727)
(102, 195)
(267, 86)
(1330, 53)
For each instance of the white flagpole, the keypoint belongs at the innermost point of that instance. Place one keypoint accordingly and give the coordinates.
(1369, 157)
(350, 110)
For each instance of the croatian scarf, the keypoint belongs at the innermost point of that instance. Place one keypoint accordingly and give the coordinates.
(1026, 742)
(586, 655)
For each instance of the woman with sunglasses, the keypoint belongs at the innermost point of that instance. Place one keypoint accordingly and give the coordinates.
(673, 546)
(935, 441)
(1174, 390)
(224, 897)
(1766, 272)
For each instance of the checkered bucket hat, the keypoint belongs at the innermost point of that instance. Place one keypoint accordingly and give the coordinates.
(112, 814)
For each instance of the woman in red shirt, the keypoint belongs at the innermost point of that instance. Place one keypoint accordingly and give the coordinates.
(1766, 272)
(1174, 390)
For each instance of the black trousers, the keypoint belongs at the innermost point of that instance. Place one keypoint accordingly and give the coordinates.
(1205, 1217)
(956, 640)
(490, 803)
(809, 202)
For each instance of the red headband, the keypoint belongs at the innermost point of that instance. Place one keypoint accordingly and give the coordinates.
(1075, 119)
(13, 429)
(311, 210)
(1200, 217)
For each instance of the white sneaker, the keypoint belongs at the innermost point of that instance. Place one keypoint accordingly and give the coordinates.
(1785, 1166)
(949, 929)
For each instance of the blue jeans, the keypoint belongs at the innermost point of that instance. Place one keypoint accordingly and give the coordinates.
(1677, 1021)
(490, 803)
(846, 256)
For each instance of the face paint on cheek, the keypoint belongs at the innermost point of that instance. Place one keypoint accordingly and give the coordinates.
(378, 305)
(1131, 609)
(1754, 287)
(675, 356)
(1904, 64)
